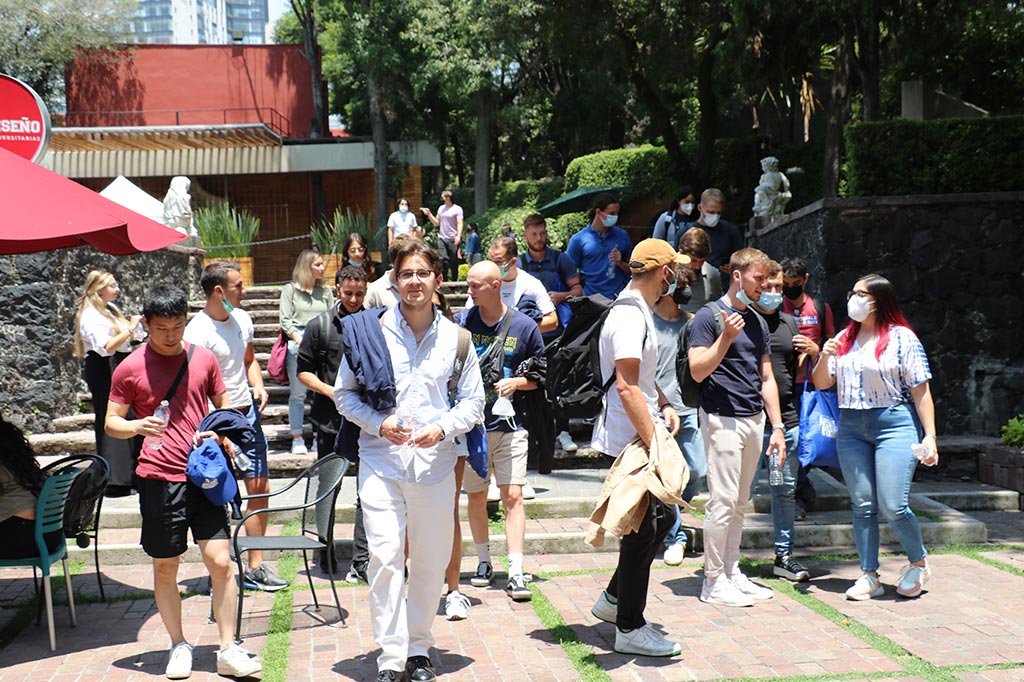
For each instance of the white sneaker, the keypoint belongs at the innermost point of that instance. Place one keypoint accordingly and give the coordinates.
(566, 442)
(299, 446)
(912, 580)
(755, 592)
(179, 661)
(493, 494)
(866, 587)
(723, 592)
(645, 641)
(604, 609)
(674, 554)
(456, 606)
(235, 662)
(528, 492)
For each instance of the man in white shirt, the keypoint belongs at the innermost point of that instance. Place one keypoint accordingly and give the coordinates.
(227, 330)
(519, 289)
(383, 291)
(628, 348)
(407, 466)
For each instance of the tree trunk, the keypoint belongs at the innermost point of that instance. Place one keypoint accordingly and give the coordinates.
(304, 11)
(460, 164)
(869, 66)
(481, 168)
(707, 126)
(838, 110)
(380, 151)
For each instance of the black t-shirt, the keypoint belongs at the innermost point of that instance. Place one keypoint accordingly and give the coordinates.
(323, 362)
(734, 388)
(726, 239)
(783, 356)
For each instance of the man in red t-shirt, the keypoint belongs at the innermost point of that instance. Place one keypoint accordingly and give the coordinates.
(169, 503)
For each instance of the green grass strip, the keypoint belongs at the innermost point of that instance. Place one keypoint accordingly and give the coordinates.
(279, 629)
(977, 553)
(582, 658)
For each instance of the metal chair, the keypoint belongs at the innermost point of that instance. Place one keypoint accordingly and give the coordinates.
(50, 518)
(322, 483)
(85, 526)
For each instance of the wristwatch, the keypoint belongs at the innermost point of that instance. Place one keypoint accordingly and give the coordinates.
(779, 427)
(443, 434)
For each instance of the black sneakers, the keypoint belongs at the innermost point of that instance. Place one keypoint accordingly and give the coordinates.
(787, 567)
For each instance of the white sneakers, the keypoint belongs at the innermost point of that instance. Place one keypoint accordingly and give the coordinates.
(756, 592)
(493, 494)
(674, 554)
(645, 641)
(456, 606)
(566, 442)
(528, 492)
(236, 662)
(722, 592)
(604, 609)
(179, 661)
(867, 587)
(299, 446)
(912, 580)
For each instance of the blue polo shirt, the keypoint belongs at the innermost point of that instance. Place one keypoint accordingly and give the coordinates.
(554, 271)
(589, 249)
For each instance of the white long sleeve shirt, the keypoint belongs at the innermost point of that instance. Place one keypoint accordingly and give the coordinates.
(422, 372)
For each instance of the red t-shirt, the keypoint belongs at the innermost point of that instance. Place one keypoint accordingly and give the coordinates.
(808, 322)
(142, 381)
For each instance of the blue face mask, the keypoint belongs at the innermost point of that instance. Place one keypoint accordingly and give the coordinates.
(352, 262)
(744, 299)
(770, 301)
(610, 220)
(672, 287)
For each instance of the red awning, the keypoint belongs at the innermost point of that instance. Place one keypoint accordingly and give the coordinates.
(43, 211)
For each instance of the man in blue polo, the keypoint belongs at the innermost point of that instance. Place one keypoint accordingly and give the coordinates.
(601, 251)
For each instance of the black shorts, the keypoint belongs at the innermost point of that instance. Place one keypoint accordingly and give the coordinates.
(169, 509)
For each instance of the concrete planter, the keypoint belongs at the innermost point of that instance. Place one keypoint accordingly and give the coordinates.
(1003, 466)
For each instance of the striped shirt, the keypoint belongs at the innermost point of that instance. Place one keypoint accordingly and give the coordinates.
(866, 382)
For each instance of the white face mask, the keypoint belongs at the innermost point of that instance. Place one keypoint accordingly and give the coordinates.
(859, 308)
(711, 219)
(503, 407)
(403, 209)
(686, 208)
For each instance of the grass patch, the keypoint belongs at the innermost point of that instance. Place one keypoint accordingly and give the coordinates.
(275, 654)
(496, 520)
(977, 553)
(927, 515)
(582, 658)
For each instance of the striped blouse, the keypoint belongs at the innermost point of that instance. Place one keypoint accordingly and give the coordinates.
(866, 382)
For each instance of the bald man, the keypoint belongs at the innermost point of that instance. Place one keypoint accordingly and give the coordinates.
(515, 338)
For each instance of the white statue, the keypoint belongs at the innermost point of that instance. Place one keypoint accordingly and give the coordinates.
(772, 192)
(178, 206)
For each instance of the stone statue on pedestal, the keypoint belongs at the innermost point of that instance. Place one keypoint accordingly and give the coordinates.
(772, 192)
(178, 206)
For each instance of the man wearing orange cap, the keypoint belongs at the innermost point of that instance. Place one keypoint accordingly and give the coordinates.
(629, 409)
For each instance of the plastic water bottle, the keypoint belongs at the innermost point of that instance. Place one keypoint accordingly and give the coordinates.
(774, 468)
(610, 272)
(919, 451)
(407, 419)
(242, 461)
(163, 413)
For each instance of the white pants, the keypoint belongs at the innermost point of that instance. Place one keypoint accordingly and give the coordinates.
(401, 623)
(733, 447)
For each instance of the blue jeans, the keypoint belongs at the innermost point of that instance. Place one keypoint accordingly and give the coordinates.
(296, 391)
(692, 445)
(783, 496)
(874, 453)
(257, 450)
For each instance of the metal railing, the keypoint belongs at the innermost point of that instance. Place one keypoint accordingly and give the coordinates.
(268, 116)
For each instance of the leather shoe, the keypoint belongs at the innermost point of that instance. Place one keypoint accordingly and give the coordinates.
(418, 669)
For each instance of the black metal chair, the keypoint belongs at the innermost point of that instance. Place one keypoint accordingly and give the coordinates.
(83, 522)
(322, 483)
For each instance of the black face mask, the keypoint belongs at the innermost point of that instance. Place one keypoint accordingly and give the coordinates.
(682, 296)
(793, 292)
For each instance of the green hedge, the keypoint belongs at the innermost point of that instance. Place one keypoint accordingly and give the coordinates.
(644, 170)
(935, 157)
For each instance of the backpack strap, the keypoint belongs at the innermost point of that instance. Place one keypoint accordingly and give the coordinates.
(595, 354)
(461, 353)
(322, 339)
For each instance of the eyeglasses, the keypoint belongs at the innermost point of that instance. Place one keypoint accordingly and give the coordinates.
(858, 294)
(421, 275)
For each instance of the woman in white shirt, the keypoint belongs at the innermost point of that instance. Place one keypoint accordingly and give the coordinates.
(103, 338)
(885, 410)
(403, 221)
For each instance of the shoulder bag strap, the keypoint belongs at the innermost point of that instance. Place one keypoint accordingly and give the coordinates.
(461, 352)
(181, 373)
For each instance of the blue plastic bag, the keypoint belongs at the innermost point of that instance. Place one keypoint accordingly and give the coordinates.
(819, 424)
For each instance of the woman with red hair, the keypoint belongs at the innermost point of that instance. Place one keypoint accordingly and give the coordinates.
(885, 409)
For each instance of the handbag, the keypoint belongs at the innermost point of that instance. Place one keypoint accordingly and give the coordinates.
(819, 424)
(277, 367)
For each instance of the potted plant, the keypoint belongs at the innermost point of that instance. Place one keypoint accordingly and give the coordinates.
(228, 234)
(1003, 465)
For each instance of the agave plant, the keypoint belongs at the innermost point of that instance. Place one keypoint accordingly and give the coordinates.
(226, 232)
(329, 235)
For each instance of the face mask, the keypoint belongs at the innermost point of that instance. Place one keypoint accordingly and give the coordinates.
(686, 208)
(403, 209)
(793, 292)
(610, 220)
(503, 408)
(744, 299)
(711, 219)
(770, 301)
(682, 296)
(227, 305)
(859, 308)
(503, 270)
(352, 262)
(672, 287)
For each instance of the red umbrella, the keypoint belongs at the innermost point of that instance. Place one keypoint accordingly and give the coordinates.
(43, 211)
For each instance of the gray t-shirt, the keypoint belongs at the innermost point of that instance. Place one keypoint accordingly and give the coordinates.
(668, 347)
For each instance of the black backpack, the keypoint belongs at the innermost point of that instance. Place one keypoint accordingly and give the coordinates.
(80, 507)
(573, 384)
(689, 388)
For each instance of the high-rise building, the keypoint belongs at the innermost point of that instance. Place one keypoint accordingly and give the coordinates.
(181, 22)
(248, 19)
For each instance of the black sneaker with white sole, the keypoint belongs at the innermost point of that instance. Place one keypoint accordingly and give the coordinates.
(789, 568)
(483, 576)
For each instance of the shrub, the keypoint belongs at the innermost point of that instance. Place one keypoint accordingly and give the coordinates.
(644, 170)
(463, 271)
(225, 232)
(1013, 432)
(935, 157)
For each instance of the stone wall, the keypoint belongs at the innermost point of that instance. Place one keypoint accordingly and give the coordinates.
(957, 262)
(39, 377)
